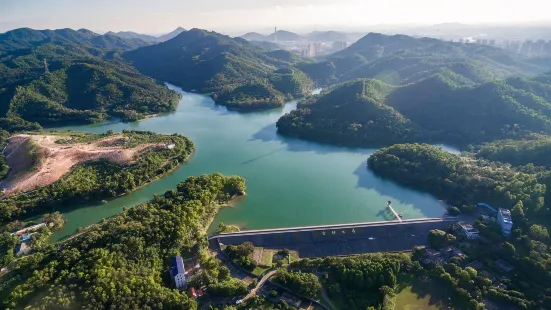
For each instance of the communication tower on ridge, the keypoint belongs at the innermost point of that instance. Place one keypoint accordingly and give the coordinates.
(46, 71)
(275, 34)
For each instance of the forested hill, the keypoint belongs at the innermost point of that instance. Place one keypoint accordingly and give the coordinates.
(90, 92)
(27, 38)
(435, 109)
(532, 152)
(377, 44)
(81, 64)
(210, 62)
(353, 113)
(203, 60)
(464, 182)
(122, 262)
(401, 59)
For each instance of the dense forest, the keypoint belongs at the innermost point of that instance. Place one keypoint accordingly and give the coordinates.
(353, 113)
(87, 81)
(241, 74)
(463, 182)
(122, 262)
(24, 38)
(359, 282)
(97, 180)
(280, 86)
(536, 152)
(436, 109)
(85, 93)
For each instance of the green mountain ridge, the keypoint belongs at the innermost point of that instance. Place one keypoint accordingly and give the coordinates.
(232, 68)
(90, 92)
(401, 59)
(352, 113)
(87, 81)
(27, 38)
(435, 109)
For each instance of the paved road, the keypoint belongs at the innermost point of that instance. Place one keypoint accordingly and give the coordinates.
(326, 299)
(259, 284)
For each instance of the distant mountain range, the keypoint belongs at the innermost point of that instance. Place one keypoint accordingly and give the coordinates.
(28, 38)
(392, 88)
(400, 59)
(148, 38)
(316, 36)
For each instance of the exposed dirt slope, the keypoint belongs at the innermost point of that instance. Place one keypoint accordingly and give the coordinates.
(36, 160)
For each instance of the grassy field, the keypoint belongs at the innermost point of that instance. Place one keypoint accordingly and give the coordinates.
(409, 299)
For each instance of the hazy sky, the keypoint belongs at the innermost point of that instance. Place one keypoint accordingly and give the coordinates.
(157, 16)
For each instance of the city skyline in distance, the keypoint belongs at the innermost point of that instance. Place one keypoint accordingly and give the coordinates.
(241, 16)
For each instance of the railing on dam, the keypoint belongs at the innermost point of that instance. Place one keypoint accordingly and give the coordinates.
(342, 239)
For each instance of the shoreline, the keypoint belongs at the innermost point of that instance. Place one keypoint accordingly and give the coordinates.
(228, 204)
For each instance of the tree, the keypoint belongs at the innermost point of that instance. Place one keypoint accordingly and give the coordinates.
(509, 249)
(454, 211)
(518, 212)
(7, 247)
(223, 273)
(306, 284)
(539, 232)
(53, 220)
(439, 238)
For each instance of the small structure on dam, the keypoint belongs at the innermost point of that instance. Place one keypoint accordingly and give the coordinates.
(345, 239)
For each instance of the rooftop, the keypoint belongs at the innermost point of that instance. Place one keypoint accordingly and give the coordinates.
(487, 206)
(177, 265)
(506, 215)
(468, 228)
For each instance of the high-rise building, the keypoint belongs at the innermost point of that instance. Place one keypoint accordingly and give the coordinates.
(177, 272)
(313, 49)
(339, 46)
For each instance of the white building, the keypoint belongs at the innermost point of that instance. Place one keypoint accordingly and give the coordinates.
(468, 230)
(177, 273)
(505, 221)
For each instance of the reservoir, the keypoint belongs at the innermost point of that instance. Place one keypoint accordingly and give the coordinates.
(290, 182)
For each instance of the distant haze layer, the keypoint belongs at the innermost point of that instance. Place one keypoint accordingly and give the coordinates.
(237, 15)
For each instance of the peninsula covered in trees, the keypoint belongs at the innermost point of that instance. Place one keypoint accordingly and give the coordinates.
(94, 167)
(437, 109)
(120, 262)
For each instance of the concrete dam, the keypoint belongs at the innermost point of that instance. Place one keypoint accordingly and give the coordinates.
(343, 239)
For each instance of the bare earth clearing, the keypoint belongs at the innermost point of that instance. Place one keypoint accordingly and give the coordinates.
(55, 160)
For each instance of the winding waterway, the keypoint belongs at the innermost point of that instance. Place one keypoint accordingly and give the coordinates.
(290, 182)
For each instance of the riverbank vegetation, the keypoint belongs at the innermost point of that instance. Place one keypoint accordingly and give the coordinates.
(536, 152)
(282, 85)
(123, 261)
(368, 112)
(463, 182)
(97, 180)
(352, 113)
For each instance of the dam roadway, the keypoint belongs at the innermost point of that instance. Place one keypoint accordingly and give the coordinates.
(343, 239)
